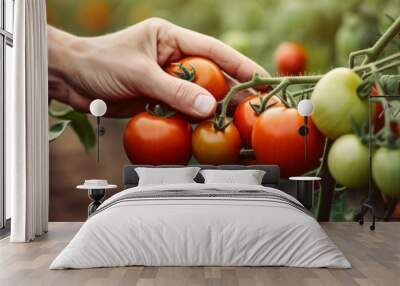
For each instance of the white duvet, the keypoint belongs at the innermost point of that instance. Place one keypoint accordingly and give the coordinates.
(200, 231)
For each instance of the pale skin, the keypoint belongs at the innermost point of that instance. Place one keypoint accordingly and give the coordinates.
(125, 68)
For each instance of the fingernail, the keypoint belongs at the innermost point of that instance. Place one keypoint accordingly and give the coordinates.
(204, 104)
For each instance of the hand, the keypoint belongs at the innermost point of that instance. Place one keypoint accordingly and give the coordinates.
(126, 68)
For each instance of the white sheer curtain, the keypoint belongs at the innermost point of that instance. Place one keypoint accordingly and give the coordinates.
(27, 124)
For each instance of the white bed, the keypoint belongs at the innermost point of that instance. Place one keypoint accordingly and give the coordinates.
(239, 229)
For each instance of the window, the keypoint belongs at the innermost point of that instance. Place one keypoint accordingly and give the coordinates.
(6, 62)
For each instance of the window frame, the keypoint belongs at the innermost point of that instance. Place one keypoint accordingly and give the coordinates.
(6, 39)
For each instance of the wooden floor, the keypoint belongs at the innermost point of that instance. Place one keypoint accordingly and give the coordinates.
(375, 257)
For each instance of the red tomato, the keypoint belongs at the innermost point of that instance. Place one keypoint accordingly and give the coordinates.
(290, 59)
(379, 121)
(276, 140)
(155, 140)
(202, 72)
(216, 147)
(245, 116)
(395, 128)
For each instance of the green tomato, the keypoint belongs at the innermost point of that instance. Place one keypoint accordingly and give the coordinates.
(336, 103)
(348, 161)
(386, 171)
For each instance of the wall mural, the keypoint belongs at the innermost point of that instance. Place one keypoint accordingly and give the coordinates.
(340, 59)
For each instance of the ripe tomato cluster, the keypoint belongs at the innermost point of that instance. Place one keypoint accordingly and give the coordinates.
(269, 128)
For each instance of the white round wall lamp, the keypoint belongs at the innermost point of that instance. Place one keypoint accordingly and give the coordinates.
(98, 108)
(305, 108)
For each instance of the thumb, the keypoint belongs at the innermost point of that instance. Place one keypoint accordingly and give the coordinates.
(180, 94)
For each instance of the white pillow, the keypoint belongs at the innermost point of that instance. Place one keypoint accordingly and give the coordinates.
(163, 176)
(248, 177)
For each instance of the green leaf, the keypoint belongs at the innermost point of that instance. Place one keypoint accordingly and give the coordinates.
(80, 124)
(57, 129)
(391, 84)
(394, 110)
(340, 210)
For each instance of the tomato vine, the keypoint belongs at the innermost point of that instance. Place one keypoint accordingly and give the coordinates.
(281, 83)
(372, 53)
(369, 67)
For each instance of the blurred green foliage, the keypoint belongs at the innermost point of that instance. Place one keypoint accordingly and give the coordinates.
(329, 29)
(77, 121)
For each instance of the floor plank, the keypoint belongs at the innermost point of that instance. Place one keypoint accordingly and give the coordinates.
(375, 257)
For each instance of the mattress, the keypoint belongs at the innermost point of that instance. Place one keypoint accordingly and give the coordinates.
(201, 225)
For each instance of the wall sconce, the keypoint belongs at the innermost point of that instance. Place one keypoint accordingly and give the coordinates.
(305, 108)
(98, 108)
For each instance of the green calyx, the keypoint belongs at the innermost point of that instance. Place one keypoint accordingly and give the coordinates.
(221, 122)
(364, 89)
(185, 73)
(160, 111)
(260, 108)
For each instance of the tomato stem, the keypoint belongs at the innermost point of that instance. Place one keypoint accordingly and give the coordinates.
(303, 92)
(383, 68)
(386, 63)
(281, 83)
(260, 108)
(382, 64)
(372, 53)
(323, 157)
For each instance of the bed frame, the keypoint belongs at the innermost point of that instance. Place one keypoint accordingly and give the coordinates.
(270, 179)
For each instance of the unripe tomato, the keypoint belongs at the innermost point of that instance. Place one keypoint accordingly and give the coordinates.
(386, 171)
(290, 59)
(336, 103)
(245, 116)
(276, 140)
(202, 72)
(216, 147)
(348, 161)
(155, 140)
